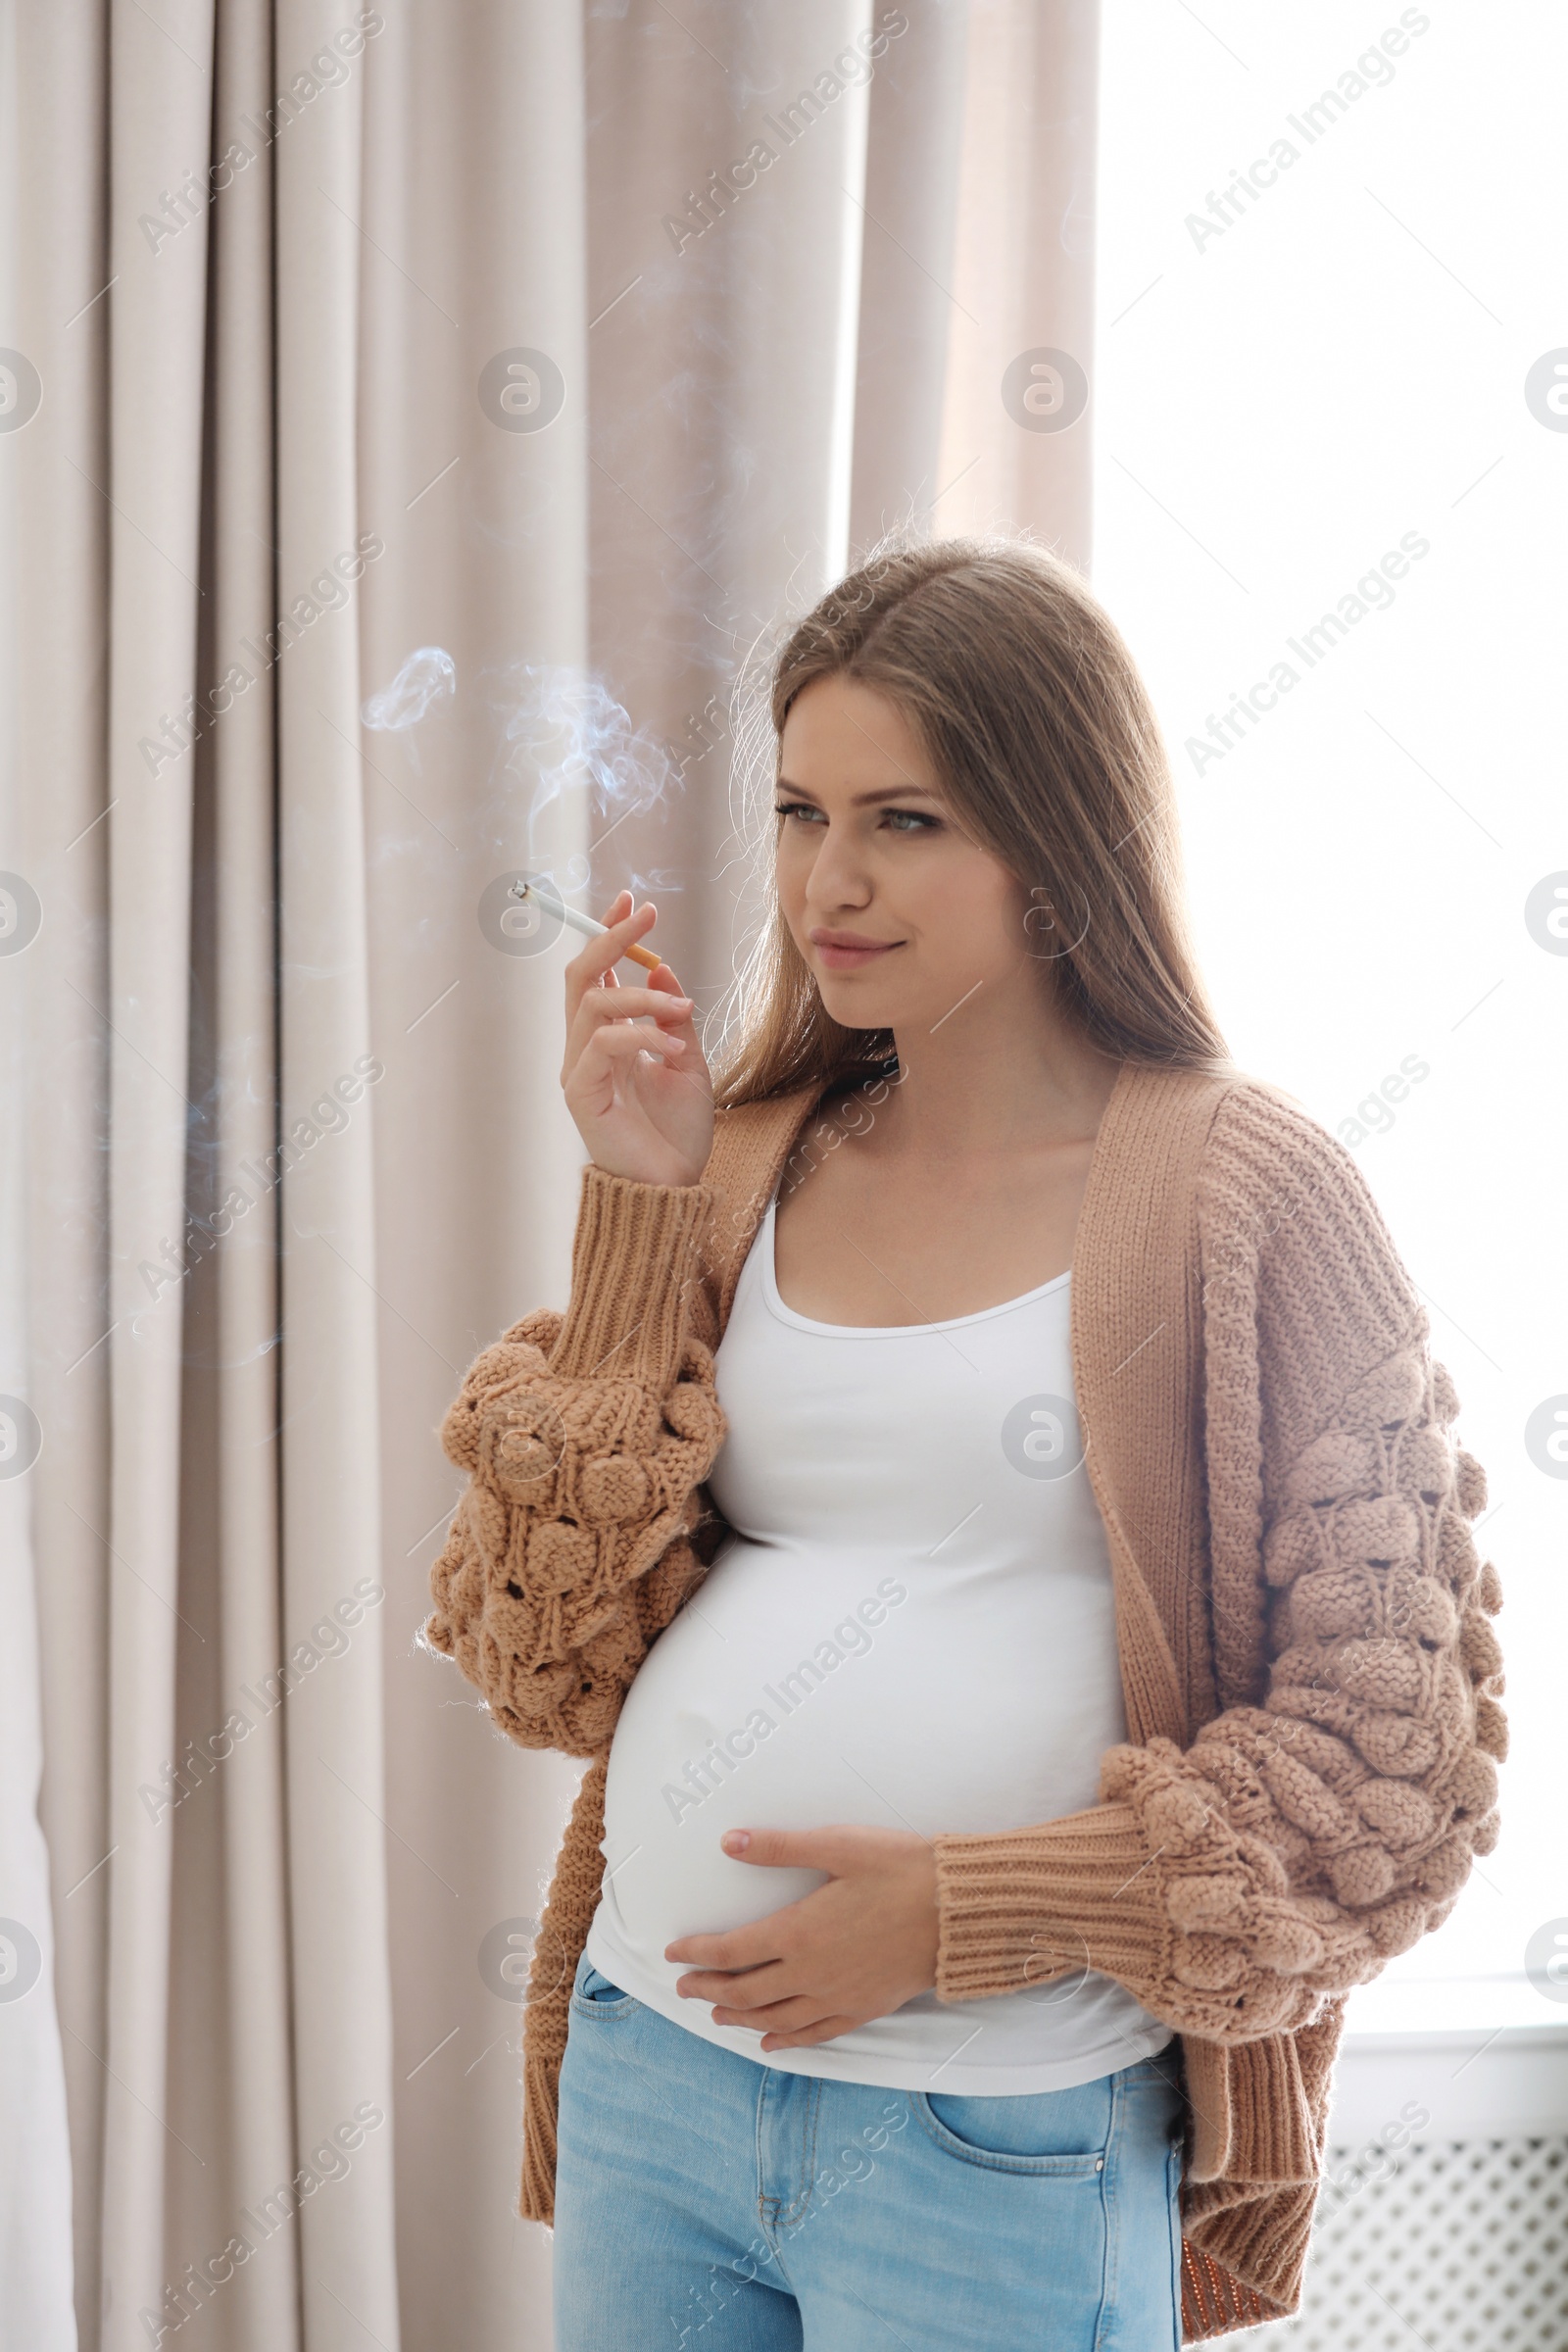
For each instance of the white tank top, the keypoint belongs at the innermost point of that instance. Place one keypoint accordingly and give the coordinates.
(914, 1628)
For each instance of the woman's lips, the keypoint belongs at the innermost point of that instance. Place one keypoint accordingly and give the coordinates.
(847, 951)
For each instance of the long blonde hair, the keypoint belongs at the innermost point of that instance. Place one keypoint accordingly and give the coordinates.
(1030, 708)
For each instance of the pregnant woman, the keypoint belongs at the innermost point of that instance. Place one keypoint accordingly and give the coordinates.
(991, 1517)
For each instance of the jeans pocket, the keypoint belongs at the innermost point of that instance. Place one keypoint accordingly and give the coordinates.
(594, 1995)
(1056, 2134)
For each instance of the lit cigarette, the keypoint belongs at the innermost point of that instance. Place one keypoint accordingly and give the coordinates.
(584, 923)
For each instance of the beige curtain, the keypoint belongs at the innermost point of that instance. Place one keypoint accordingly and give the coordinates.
(485, 354)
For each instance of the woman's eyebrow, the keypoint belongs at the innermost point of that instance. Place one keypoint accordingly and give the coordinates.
(867, 800)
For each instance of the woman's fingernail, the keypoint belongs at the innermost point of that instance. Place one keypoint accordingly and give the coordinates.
(735, 1842)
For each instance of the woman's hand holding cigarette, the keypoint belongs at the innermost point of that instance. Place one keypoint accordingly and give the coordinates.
(635, 1081)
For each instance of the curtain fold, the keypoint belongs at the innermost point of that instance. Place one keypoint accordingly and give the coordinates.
(725, 222)
(481, 255)
(55, 548)
(237, 1946)
(329, 1419)
(436, 414)
(152, 482)
(1015, 425)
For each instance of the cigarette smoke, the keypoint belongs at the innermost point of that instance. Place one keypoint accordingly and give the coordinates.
(428, 677)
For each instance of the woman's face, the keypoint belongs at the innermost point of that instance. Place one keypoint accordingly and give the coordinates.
(900, 916)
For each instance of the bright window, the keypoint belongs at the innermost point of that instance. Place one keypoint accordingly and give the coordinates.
(1331, 420)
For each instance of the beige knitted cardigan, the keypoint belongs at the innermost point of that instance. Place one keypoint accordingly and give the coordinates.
(1311, 1678)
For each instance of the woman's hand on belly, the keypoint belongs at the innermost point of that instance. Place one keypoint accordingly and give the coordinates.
(854, 1949)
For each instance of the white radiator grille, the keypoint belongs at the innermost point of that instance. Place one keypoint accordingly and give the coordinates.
(1463, 2249)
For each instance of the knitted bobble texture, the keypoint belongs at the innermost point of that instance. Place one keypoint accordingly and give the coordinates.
(568, 1552)
(1297, 1844)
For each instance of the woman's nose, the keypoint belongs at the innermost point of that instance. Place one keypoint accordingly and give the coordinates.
(837, 878)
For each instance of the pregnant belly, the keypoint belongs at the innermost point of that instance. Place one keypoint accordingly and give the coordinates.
(798, 1689)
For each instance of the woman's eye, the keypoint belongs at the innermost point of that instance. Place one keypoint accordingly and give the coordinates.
(906, 821)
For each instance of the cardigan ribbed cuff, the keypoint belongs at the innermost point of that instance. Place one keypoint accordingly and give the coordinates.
(1021, 1907)
(633, 1262)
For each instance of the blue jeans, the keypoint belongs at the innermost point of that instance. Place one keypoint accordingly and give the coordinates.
(706, 2202)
